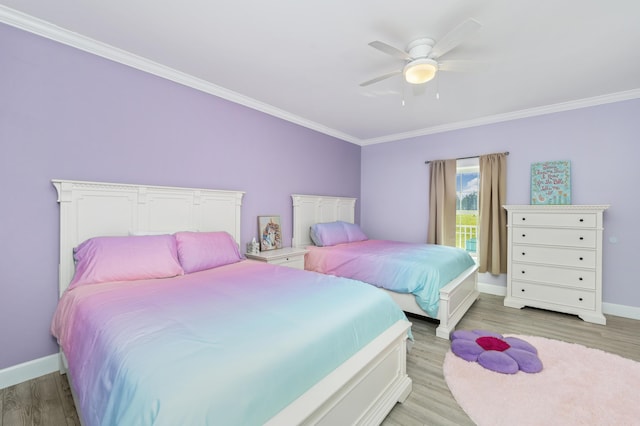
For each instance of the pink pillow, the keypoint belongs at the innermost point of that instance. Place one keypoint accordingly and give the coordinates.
(333, 233)
(105, 259)
(198, 251)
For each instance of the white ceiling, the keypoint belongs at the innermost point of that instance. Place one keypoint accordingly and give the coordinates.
(303, 60)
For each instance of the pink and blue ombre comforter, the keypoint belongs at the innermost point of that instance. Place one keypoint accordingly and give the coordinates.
(420, 269)
(227, 346)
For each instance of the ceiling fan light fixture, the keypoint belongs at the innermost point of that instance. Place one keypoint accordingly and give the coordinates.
(420, 70)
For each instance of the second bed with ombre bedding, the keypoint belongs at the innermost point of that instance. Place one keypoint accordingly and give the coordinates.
(427, 280)
(419, 269)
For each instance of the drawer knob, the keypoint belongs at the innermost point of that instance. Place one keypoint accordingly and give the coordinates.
(524, 218)
(580, 299)
(524, 235)
(581, 220)
(580, 279)
(523, 272)
(581, 258)
(523, 253)
(581, 238)
(522, 290)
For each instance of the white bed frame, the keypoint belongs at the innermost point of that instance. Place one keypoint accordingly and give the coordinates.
(361, 391)
(455, 298)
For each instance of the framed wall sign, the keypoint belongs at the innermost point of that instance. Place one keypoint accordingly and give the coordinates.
(270, 232)
(551, 182)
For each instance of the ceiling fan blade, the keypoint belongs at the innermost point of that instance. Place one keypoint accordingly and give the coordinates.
(382, 77)
(390, 50)
(454, 37)
(460, 65)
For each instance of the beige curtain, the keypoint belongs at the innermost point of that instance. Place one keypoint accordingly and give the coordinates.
(442, 203)
(492, 253)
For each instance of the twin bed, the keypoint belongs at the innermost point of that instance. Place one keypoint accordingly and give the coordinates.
(426, 280)
(162, 321)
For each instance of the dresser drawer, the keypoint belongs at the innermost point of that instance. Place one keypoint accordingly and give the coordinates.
(577, 220)
(554, 275)
(554, 256)
(555, 237)
(557, 295)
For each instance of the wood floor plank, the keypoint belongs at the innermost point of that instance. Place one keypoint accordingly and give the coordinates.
(35, 402)
(2, 391)
(66, 400)
(47, 400)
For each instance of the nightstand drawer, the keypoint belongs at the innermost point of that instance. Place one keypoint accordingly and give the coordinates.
(551, 275)
(292, 262)
(554, 256)
(574, 220)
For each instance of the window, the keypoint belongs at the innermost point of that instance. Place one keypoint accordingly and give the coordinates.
(467, 182)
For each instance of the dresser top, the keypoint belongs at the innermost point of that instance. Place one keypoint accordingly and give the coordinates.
(567, 207)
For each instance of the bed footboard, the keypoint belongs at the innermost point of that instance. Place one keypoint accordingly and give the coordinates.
(455, 299)
(361, 391)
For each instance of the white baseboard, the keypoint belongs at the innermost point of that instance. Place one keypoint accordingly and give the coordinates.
(496, 290)
(29, 370)
(624, 311)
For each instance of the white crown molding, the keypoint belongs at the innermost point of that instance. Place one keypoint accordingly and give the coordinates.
(61, 35)
(55, 33)
(532, 112)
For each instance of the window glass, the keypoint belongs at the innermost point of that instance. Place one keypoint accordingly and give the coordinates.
(467, 183)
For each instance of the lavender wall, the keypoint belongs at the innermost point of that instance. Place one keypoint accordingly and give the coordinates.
(601, 143)
(71, 115)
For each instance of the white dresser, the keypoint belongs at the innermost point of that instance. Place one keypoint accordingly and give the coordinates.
(555, 259)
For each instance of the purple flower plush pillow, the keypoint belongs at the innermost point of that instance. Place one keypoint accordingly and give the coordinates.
(198, 251)
(105, 259)
(506, 355)
(332, 233)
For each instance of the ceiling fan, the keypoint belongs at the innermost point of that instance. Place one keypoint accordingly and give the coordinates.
(421, 56)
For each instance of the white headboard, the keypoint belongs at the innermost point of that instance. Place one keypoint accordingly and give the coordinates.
(311, 209)
(91, 209)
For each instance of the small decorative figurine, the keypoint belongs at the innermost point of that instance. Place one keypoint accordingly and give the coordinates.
(253, 247)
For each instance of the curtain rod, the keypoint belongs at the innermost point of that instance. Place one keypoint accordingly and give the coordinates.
(473, 156)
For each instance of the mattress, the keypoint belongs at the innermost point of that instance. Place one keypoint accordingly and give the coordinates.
(420, 269)
(232, 345)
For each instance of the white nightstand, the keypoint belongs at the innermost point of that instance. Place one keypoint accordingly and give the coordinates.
(288, 256)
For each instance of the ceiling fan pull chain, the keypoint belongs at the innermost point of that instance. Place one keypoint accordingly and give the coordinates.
(403, 89)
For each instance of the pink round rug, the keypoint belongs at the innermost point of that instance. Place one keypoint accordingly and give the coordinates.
(578, 386)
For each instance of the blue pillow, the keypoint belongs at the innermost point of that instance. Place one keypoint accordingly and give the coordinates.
(332, 233)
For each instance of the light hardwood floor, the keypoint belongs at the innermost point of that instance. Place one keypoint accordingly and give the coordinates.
(47, 400)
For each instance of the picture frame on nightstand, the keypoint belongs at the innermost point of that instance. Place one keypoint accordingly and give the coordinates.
(270, 232)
